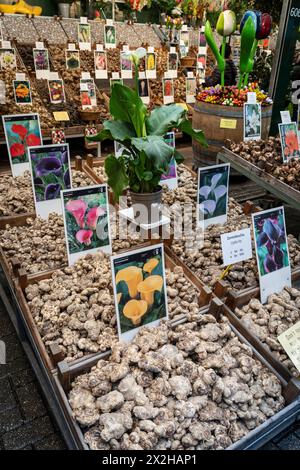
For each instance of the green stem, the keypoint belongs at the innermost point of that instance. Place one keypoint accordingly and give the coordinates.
(136, 77)
(241, 81)
(223, 55)
(251, 61)
(246, 79)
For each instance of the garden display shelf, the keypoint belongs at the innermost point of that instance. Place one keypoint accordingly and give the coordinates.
(54, 355)
(260, 177)
(67, 373)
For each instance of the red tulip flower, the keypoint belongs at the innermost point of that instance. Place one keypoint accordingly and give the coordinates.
(20, 130)
(17, 150)
(32, 140)
(264, 27)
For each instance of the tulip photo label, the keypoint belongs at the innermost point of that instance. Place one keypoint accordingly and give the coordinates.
(289, 141)
(88, 95)
(139, 283)
(272, 252)
(50, 173)
(86, 221)
(21, 132)
(212, 202)
(252, 121)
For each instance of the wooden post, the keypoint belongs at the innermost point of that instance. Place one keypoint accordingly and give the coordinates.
(215, 308)
(16, 265)
(78, 163)
(205, 296)
(221, 289)
(248, 207)
(64, 375)
(56, 353)
(22, 278)
(231, 300)
(90, 160)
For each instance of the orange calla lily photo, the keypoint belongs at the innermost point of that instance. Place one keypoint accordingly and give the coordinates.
(140, 289)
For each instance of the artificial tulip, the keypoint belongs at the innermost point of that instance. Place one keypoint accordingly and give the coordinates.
(226, 25)
(247, 39)
(265, 26)
(209, 36)
(246, 15)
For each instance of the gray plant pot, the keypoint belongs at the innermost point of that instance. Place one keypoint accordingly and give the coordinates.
(147, 207)
(64, 10)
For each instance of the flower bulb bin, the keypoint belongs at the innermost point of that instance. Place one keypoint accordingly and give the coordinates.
(207, 117)
(188, 61)
(151, 214)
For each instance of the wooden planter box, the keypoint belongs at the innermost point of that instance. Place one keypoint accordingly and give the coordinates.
(55, 355)
(66, 374)
(238, 300)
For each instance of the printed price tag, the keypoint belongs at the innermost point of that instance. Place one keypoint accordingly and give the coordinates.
(173, 50)
(84, 87)
(20, 77)
(99, 47)
(190, 75)
(83, 20)
(290, 341)
(115, 75)
(61, 116)
(53, 76)
(285, 117)
(142, 75)
(109, 22)
(251, 97)
(125, 48)
(151, 49)
(72, 47)
(85, 75)
(236, 246)
(228, 124)
(39, 45)
(184, 27)
(6, 45)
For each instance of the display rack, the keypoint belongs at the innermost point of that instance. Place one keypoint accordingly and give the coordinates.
(273, 185)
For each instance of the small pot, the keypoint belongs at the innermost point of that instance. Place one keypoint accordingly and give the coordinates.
(147, 207)
(64, 9)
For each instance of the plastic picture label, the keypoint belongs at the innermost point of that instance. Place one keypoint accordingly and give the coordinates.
(139, 283)
(290, 341)
(50, 174)
(84, 36)
(150, 62)
(144, 91)
(21, 132)
(236, 246)
(168, 90)
(252, 121)
(285, 117)
(100, 59)
(172, 64)
(88, 94)
(110, 36)
(22, 92)
(86, 221)
(125, 66)
(170, 180)
(56, 91)
(272, 251)
(41, 63)
(289, 141)
(191, 89)
(8, 59)
(212, 195)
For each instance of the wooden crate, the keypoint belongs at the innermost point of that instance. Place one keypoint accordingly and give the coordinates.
(237, 300)
(55, 355)
(66, 374)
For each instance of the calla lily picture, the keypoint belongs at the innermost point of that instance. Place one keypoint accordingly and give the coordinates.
(271, 241)
(213, 194)
(252, 121)
(50, 167)
(140, 290)
(86, 218)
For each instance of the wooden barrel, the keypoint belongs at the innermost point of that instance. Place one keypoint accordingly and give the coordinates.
(207, 117)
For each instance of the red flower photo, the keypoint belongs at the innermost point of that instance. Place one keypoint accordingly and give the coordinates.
(22, 131)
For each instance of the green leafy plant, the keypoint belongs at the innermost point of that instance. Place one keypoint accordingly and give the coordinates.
(146, 156)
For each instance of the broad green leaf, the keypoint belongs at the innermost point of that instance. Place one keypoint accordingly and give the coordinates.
(156, 150)
(199, 136)
(104, 134)
(117, 175)
(119, 130)
(164, 119)
(126, 105)
(148, 175)
(178, 157)
(247, 40)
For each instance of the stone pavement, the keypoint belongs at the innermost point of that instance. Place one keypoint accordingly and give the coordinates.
(25, 422)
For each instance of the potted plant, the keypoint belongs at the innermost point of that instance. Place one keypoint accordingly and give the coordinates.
(146, 155)
(64, 8)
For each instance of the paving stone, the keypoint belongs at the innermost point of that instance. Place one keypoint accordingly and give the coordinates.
(31, 402)
(27, 434)
(24, 377)
(13, 349)
(290, 442)
(7, 399)
(51, 442)
(10, 419)
(270, 446)
(6, 327)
